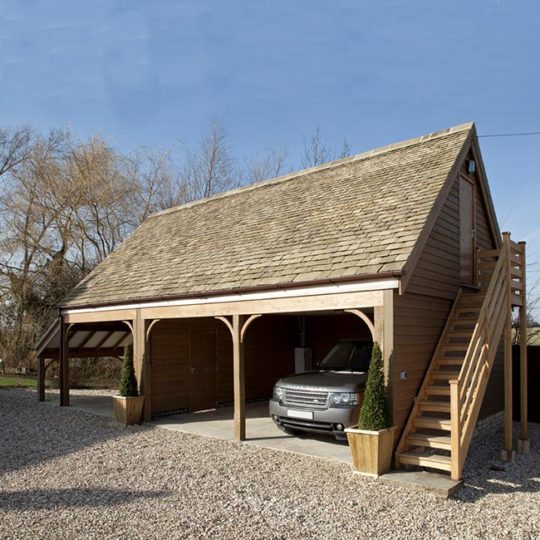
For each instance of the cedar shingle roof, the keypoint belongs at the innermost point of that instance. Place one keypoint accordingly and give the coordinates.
(357, 216)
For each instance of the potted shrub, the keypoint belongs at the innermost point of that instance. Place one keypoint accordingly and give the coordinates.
(372, 440)
(128, 405)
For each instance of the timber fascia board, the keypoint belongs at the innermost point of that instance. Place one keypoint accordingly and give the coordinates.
(269, 300)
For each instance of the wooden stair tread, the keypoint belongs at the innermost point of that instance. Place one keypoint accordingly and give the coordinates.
(465, 319)
(443, 374)
(433, 423)
(449, 361)
(441, 442)
(438, 390)
(442, 406)
(434, 461)
(455, 347)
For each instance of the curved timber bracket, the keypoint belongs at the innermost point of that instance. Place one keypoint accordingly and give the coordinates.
(365, 318)
(130, 326)
(150, 326)
(246, 325)
(228, 324)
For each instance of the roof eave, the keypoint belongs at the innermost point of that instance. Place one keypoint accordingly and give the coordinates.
(239, 290)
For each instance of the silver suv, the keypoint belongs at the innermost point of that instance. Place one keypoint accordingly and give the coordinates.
(328, 399)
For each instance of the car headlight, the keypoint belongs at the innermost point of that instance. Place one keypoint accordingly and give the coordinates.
(344, 399)
(278, 393)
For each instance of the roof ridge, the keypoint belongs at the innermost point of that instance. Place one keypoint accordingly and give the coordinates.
(329, 165)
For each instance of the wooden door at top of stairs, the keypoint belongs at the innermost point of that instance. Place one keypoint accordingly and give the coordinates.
(203, 363)
(467, 233)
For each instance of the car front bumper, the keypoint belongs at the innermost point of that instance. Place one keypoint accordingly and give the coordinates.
(332, 420)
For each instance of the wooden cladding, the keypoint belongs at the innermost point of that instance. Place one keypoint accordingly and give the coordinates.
(420, 314)
(191, 361)
(467, 232)
(181, 348)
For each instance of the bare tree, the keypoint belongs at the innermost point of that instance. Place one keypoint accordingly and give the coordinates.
(14, 147)
(28, 237)
(209, 170)
(317, 151)
(271, 164)
(345, 149)
(159, 181)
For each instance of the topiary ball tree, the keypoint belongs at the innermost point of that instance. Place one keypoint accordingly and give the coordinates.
(128, 382)
(375, 413)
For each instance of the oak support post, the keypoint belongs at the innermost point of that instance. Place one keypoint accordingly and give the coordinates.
(387, 344)
(140, 360)
(239, 379)
(455, 433)
(523, 443)
(508, 451)
(41, 377)
(64, 364)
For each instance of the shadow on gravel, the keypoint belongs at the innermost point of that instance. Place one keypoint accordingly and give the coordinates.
(473, 491)
(485, 474)
(50, 499)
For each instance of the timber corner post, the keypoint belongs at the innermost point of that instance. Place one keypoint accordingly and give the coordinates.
(237, 325)
(523, 441)
(141, 360)
(41, 377)
(64, 363)
(516, 291)
(508, 453)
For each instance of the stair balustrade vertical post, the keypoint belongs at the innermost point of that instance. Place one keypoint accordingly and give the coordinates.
(523, 443)
(507, 453)
(455, 431)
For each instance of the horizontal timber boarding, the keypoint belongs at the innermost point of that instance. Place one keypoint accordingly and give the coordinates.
(268, 352)
(414, 343)
(324, 331)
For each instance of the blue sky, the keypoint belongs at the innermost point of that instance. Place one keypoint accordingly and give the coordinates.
(155, 73)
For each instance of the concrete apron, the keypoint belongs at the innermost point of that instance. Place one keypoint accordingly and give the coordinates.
(218, 423)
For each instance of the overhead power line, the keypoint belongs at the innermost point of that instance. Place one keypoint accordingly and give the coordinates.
(525, 134)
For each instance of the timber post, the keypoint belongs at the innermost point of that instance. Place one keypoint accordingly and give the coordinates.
(508, 451)
(239, 379)
(523, 442)
(41, 377)
(64, 363)
(140, 359)
(238, 326)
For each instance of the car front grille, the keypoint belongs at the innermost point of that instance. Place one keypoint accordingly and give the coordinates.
(312, 399)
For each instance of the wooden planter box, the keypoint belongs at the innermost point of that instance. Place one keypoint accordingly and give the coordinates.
(371, 450)
(128, 410)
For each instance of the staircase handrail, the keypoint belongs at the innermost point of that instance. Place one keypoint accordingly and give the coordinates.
(467, 390)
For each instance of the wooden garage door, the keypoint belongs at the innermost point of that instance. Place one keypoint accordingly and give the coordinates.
(203, 357)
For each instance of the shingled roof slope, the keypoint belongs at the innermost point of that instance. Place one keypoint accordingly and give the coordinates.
(357, 216)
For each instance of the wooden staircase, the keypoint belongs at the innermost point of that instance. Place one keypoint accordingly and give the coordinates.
(441, 424)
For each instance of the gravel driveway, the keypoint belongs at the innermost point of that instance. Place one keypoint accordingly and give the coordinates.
(69, 474)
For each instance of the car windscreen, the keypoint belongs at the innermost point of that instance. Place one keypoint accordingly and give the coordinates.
(348, 355)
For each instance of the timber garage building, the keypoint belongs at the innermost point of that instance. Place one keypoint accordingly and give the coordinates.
(223, 296)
